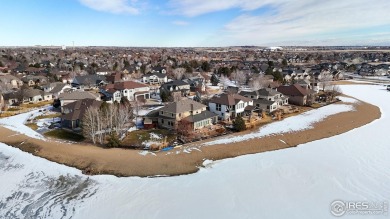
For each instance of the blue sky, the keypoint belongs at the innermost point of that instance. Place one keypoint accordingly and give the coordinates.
(194, 22)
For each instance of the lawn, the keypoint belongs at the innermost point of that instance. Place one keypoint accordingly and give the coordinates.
(135, 138)
(64, 135)
(48, 116)
(36, 105)
(32, 126)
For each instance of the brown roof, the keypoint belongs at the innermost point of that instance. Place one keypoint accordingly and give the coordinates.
(78, 108)
(293, 90)
(125, 85)
(229, 99)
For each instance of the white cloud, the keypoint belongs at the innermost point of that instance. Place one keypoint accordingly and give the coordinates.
(112, 6)
(180, 23)
(195, 7)
(294, 21)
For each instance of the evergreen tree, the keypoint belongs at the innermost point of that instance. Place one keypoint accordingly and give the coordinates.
(214, 79)
(239, 124)
(284, 62)
(205, 66)
(164, 96)
(113, 141)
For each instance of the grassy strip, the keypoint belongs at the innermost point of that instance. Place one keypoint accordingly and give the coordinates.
(135, 138)
(36, 105)
(32, 126)
(48, 116)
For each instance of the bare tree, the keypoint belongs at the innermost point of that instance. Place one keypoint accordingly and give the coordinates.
(184, 128)
(178, 73)
(325, 81)
(224, 81)
(257, 82)
(90, 126)
(239, 77)
(136, 104)
(124, 117)
(98, 123)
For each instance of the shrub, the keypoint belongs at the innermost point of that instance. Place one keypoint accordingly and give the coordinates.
(239, 124)
(113, 141)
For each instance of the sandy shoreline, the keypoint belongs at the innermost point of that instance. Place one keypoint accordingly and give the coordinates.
(121, 162)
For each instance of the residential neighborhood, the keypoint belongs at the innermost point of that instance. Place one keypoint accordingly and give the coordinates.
(191, 93)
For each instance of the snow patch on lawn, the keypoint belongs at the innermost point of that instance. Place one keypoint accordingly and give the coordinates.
(292, 124)
(144, 153)
(16, 123)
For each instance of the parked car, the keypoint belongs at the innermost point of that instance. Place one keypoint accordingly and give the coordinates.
(388, 87)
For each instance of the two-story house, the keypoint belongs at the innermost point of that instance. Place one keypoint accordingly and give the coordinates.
(32, 80)
(155, 78)
(266, 99)
(229, 106)
(130, 89)
(298, 95)
(176, 86)
(10, 81)
(186, 109)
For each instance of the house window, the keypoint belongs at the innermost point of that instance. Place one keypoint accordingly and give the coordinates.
(162, 121)
(162, 112)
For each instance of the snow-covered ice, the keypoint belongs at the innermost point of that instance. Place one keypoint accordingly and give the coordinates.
(299, 182)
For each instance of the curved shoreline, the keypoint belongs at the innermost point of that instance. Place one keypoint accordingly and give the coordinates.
(121, 162)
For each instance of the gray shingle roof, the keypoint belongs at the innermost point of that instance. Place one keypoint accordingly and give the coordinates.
(182, 106)
(261, 92)
(77, 95)
(229, 99)
(201, 116)
(90, 79)
(263, 101)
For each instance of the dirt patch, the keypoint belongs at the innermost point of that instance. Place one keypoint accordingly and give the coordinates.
(121, 162)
